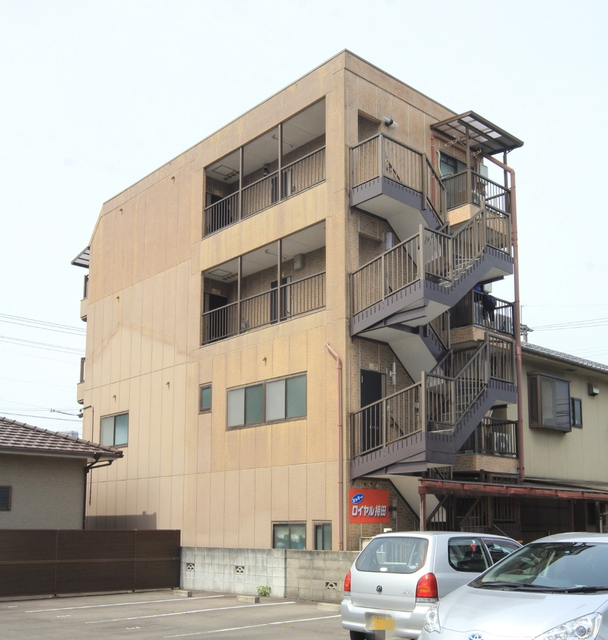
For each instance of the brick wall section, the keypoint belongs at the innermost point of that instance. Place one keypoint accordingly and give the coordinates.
(477, 462)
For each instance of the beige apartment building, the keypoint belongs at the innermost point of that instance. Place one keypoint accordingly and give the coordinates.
(291, 333)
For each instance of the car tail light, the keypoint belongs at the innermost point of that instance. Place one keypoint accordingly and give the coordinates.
(426, 589)
(347, 581)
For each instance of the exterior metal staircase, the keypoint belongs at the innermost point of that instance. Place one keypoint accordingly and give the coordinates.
(423, 276)
(429, 421)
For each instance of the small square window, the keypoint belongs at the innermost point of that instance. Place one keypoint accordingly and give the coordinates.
(205, 398)
(289, 536)
(114, 430)
(5, 498)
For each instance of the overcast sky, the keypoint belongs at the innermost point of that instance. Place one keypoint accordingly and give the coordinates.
(95, 95)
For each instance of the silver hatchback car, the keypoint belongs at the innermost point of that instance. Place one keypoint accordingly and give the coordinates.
(555, 588)
(398, 576)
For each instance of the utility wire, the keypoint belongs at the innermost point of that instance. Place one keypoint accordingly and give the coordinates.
(42, 324)
(41, 345)
(578, 324)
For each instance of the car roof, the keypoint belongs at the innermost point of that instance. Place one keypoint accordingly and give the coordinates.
(439, 534)
(575, 536)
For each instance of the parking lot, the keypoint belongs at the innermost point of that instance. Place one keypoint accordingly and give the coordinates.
(167, 614)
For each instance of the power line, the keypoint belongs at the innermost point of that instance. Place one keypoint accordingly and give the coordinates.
(25, 415)
(42, 345)
(577, 324)
(42, 324)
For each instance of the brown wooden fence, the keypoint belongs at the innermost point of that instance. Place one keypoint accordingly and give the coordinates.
(51, 562)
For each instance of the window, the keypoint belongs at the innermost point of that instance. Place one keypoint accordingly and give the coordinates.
(549, 402)
(449, 165)
(271, 401)
(289, 536)
(204, 401)
(5, 498)
(115, 430)
(323, 536)
(576, 412)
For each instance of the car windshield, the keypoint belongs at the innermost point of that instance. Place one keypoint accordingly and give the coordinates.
(551, 566)
(393, 555)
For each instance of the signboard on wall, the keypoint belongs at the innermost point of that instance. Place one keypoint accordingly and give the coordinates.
(368, 506)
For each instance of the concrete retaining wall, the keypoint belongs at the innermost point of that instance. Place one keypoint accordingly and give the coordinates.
(290, 573)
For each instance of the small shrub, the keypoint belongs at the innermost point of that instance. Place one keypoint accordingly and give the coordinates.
(264, 591)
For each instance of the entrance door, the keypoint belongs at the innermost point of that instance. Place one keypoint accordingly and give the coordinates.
(372, 390)
(216, 324)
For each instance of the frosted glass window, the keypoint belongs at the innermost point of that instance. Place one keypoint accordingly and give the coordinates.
(236, 407)
(275, 400)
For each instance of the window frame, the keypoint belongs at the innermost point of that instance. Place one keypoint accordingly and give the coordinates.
(113, 418)
(240, 414)
(202, 388)
(289, 525)
(576, 418)
(9, 498)
(536, 406)
(325, 530)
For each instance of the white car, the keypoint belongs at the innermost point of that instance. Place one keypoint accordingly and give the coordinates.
(555, 588)
(399, 575)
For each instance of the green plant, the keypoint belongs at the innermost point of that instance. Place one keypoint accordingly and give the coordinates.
(264, 591)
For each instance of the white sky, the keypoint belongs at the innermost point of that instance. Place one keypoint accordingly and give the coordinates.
(95, 95)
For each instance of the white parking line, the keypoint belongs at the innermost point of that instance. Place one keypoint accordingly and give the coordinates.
(185, 613)
(251, 626)
(121, 604)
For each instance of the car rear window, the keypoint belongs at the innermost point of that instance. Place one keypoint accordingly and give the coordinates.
(393, 555)
(466, 554)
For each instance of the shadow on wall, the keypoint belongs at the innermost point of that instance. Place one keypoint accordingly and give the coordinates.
(130, 521)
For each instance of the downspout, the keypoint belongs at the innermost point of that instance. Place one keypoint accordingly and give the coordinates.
(339, 425)
(516, 317)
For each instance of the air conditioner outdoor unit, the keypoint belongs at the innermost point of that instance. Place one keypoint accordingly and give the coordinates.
(503, 443)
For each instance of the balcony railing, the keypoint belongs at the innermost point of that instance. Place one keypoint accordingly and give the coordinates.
(386, 421)
(269, 307)
(302, 174)
(438, 402)
(493, 437)
(383, 157)
(429, 254)
(469, 187)
(485, 311)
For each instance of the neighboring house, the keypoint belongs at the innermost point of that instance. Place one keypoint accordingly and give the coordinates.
(290, 336)
(43, 476)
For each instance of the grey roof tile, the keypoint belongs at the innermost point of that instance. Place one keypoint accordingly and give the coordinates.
(19, 437)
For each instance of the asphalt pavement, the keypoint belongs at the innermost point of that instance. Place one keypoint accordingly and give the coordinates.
(164, 615)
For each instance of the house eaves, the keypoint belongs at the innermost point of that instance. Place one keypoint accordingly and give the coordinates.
(20, 438)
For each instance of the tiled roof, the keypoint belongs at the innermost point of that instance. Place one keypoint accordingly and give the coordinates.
(535, 350)
(19, 437)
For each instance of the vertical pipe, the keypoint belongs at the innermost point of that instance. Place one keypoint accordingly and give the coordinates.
(516, 315)
(339, 430)
(239, 213)
(422, 511)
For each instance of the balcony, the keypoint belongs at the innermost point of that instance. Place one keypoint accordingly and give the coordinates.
(397, 183)
(274, 284)
(428, 422)
(428, 273)
(477, 313)
(280, 164)
(493, 437)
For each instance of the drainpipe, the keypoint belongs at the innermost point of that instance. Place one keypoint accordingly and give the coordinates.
(516, 317)
(339, 425)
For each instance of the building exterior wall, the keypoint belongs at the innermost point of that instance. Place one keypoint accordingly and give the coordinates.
(183, 469)
(577, 456)
(47, 492)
